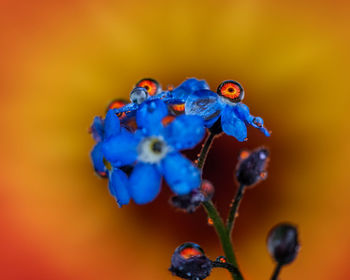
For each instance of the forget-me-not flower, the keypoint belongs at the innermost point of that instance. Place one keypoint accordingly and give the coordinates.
(224, 105)
(154, 151)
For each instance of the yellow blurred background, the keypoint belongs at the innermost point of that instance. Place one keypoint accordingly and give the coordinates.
(61, 62)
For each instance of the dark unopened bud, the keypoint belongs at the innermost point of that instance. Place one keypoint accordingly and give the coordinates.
(190, 202)
(251, 166)
(190, 262)
(283, 244)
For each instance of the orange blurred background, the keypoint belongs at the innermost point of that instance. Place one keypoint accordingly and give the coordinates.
(63, 61)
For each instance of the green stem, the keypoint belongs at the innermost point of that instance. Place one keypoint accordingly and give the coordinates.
(213, 214)
(225, 265)
(224, 237)
(277, 271)
(234, 209)
(205, 149)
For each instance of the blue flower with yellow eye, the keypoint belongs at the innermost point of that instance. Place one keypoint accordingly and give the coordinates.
(153, 150)
(224, 108)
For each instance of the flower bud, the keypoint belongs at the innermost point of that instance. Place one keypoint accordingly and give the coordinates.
(251, 167)
(190, 262)
(190, 202)
(283, 244)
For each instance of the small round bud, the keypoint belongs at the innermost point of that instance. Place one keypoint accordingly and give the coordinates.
(251, 166)
(190, 202)
(283, 244)
(190, 262)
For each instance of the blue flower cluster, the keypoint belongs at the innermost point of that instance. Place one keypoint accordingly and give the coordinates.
(140, 142)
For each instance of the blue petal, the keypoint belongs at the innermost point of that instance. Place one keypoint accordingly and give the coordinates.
(204, 103)
(149, 116)
(242, 111)
(97, 159)
(232, 125)
(180, 173)
(188, 87)
(127, 108)
(121, 149)
(112, 124)
(118, 186)
(144, 183)
(97, 129)
(185, 132)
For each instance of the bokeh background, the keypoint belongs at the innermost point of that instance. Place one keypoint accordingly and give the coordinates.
(63, 61)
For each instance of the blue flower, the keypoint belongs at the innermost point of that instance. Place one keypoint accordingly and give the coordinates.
(154, 151)
(102, 130)
(226, 108)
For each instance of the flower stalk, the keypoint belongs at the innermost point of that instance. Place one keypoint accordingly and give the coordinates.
(213, 214)
(205, 149)
(277, 271)
(223, 237)
(234, 209)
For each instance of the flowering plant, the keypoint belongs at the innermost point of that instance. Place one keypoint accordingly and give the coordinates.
(139, 143)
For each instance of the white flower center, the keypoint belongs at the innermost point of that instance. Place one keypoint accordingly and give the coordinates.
(152, 150)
